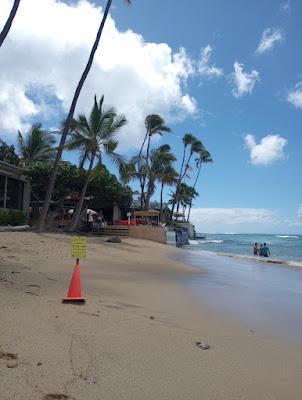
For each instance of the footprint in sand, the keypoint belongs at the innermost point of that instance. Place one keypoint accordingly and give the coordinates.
(57, 396)
(202, 345)
(10, 359)
(32, 293)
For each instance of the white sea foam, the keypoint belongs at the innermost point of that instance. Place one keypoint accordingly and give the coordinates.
(290, 263)
(287, 236)
(193, 242)
(210, 241)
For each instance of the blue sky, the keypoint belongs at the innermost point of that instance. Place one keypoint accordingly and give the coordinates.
(254, 184)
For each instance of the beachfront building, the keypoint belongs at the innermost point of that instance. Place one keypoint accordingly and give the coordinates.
(14, 188)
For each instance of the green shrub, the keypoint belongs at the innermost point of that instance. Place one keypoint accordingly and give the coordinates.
(12, 217)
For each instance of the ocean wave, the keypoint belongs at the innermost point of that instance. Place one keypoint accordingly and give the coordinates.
(290, 263)
(288, 236)
(210, 241)
(258, 259)
(193, 242)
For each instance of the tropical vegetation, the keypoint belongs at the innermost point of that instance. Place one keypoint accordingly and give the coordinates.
(12, 217)
(94, 137)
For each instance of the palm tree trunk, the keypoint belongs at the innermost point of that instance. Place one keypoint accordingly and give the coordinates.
(77, 213)
(147, 165)
(161, 202)
(9, 21)
(65, 132)
(179, 180)
(196, 179)
(140, 177)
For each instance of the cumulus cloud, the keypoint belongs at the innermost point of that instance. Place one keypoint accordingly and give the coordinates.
(299, 212)
(47, 49)
(244, 81)
(234, 216)
(204, 68)
(268, 150)
(295, 95)
(270, 37)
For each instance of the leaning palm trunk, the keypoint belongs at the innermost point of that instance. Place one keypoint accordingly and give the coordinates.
(190, 206)
(77, 213)
(181, 176)
(147, 198)
(161, 202)
(65, 132)
(9, 21)
(141, 177)
(179, 180)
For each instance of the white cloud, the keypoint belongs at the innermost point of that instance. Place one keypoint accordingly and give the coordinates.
(234, 216)
(268, 150)
(244, 220)
(295, 95)
(206, 70)
(285, 7)
(244, 81)
(270, 37)
(47, 49)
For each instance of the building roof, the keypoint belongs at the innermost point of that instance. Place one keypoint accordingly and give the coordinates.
(11, 170)
(149, 213)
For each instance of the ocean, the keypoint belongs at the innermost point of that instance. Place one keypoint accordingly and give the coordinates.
(284, 248)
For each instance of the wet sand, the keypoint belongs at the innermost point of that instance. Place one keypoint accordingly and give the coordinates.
(266, 296)
(134, 338)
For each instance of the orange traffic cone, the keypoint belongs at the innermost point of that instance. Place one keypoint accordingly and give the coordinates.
(74, 292)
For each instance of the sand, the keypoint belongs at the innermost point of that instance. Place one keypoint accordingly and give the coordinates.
(135, 336)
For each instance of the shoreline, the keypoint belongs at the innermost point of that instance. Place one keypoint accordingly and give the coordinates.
(258, 259)
(111, 347)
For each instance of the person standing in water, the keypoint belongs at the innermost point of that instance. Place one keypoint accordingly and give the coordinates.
(265, 250)
(255, 249)
(260, 253)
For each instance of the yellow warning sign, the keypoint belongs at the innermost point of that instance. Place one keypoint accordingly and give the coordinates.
(79, 247)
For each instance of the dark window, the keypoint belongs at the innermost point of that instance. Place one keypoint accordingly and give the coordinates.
(14, 197)
(2, 185)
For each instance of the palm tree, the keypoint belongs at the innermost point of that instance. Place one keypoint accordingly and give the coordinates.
(155, 125)
(168, 176)
(185, 195)
(187, 140)
(9, 21)
(160, 159)
(196, 147)
(189, 193)
(69, 119)
(94, 137)
(36, 145)
(204, 157)
(127, 172)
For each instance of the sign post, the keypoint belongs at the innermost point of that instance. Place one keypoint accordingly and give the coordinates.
(129, 216)
(78, 250)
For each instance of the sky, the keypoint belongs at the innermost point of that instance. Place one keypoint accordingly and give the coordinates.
(228, 72)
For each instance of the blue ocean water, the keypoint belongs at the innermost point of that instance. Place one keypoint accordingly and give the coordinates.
(283, 247)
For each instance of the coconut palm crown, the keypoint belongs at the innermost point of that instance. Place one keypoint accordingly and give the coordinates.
(93, 137)
(37, 145)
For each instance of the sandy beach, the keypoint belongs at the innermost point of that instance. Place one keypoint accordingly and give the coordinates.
(135, 338)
